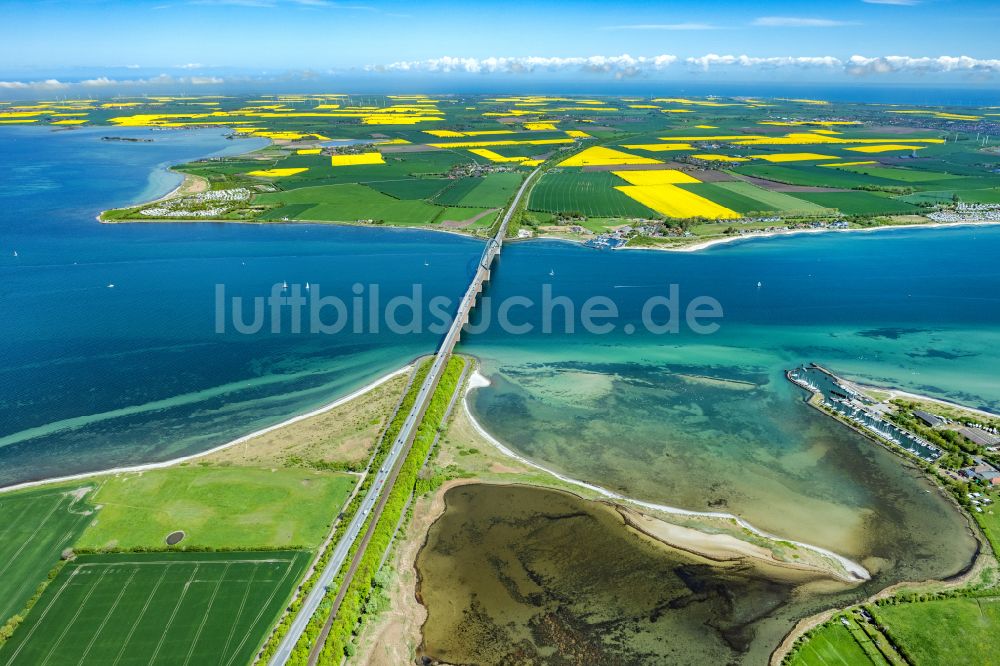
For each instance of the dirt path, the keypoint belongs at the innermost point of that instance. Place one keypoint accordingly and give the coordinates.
(461, 224)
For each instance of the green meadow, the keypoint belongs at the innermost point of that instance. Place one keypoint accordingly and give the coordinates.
(217, 507)
(35, 527)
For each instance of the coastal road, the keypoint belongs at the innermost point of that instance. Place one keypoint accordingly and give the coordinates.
(387, 472)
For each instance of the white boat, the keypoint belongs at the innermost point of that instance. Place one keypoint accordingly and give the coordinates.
(284, 285)
(552, 273)
(111, 285)
(15, 253)
(759, 285)
(426, 263)
(307, 286)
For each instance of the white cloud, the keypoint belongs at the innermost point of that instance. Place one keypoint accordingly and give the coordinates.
(48, 84)
(797, 22)
(190, 65)
(206, 80)
(626, 65)
(862, 65)
(107, 82)
(714, 60)
(899, 3)
(622, 65)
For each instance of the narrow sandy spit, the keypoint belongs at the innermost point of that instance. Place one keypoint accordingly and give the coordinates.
(855, 570)
(239, 440)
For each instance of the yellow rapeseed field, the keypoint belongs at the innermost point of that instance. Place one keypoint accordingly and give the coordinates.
(359, 158)
(796, 157)
(495, 157)
(540, 127)
(659, 147)
(657, 177)
(487, 132)
(941, 114)
(884, 148)
(277, 173)
(601, 156)
(797, 123)
(845, 164)
(673, 201)
(719, 158)
(309, 151)
(814, 102)
(502, 142)
(692, 102)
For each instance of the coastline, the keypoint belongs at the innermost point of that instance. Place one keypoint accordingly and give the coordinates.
(703, 245)
(982, 560)
(894, 393)
(191, 184)
(313, 223)
(239, 440)
(852, 571)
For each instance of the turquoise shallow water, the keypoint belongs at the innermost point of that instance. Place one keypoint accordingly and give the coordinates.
(92, 377)
(708, 422)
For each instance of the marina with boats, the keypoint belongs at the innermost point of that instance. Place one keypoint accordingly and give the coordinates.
(836, 396)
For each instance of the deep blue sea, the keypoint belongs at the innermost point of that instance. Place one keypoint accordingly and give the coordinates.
(93, 376)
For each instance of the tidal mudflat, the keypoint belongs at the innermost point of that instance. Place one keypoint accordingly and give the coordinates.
(521, 574)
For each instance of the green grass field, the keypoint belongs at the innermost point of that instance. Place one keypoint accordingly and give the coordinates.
(902, 175)
(410, 188)
(833, 645)
(157, 608)
(779, 201)
(494, 191)
(961, 631)
(989, 521)
(591, 193)
(811, 175)
(453, 194)
(351, 202)
(35, 527)
(459, 214)
(859, 203)
(219, 507)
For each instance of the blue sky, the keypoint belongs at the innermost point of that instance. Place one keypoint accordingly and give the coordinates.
(203, 42)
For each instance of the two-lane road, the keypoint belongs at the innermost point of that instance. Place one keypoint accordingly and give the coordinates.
(402, 441)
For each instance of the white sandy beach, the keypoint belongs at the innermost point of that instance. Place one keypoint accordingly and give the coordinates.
(794, 232)
(239, 440)
(854, 571)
